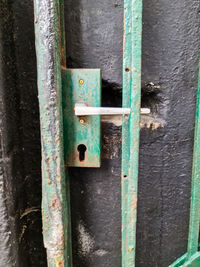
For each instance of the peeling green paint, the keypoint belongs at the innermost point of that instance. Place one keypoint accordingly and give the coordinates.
(55, 180)
(50, 45)
(131, 126)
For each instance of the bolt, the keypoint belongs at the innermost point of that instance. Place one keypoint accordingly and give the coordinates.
(82, 121)
(81, 81)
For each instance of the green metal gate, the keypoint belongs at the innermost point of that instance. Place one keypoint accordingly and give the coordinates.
(54, 80)
(70, 112)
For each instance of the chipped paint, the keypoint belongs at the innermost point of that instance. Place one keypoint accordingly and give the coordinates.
(49, 29)
(59, 263)
(134, 203)
(131, 126)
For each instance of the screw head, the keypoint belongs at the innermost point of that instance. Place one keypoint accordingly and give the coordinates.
(82, 121)
(81, 81)
(126, 117)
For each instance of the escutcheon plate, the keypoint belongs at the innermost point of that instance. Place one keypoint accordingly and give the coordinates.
(81, 134)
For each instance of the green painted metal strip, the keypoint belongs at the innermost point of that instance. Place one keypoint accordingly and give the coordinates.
(179, 262)
(66, 209)
(192, 257)
(193, 261)
(55, 181)
(131, 126)
(195, 194)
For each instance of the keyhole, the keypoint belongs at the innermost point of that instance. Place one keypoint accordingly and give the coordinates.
(81, 149)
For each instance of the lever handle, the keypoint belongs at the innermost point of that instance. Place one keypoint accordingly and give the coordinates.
(81, 109)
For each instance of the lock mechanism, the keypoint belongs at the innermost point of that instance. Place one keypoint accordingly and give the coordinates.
(81, 133)
(81, 111)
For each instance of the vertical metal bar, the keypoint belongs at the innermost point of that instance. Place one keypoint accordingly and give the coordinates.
(195, 193)
(131, 126)
(55, 186)
(62, 33)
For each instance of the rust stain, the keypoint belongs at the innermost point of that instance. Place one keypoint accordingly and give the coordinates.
(55, 203)
(130, 249)
(58, 139)
(59, 263)
(134, 203)
(59, 260)
(59, 178)
(63, 67)
(62, 52)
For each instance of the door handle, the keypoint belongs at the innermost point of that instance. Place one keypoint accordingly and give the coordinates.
(81, 112)
(82, 109)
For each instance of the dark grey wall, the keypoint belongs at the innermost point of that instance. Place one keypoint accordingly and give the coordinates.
(20, 178)
(169, 81)
(170, 53)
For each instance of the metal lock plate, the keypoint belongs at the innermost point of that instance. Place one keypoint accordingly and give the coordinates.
(81, 133)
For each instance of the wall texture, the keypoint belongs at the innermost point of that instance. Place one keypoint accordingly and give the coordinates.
(169, 81)
(20, 177)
